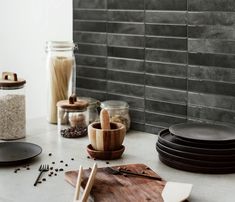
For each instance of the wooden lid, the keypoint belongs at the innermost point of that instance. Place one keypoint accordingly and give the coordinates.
(77, 105)
(10, 80)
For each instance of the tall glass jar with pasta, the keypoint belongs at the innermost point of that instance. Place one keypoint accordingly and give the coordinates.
(61, 75)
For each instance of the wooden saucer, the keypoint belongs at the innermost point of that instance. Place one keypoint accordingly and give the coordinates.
(105, 155)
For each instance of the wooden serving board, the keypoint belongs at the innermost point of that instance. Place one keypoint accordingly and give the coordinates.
(116, 188)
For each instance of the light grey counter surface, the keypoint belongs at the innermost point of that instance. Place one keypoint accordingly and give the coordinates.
(140, 148)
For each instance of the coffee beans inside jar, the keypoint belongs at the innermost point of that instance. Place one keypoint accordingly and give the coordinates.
(72, 117)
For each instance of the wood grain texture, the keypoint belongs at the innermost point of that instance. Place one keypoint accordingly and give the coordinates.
(116, 188)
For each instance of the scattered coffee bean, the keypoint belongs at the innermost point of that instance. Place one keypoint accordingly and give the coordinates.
(88, 157)
(61, 161)
(28, 168)
(147, 168)
(56, 170)
(39, 182)
(50, 154)
(55, 174)
(66, 164)
(51, 168)
(143, 172)
(107, 162)
(44, 179)
(53, 162)
(72, 159)
(49, 175)
(94, 159)
(15, 171)
(61, 169)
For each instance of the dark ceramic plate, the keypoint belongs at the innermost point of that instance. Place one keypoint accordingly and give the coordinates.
(203, 132)
(197, 156)
(17, 152)
(195, 162)
(169, 140)
(197, 169)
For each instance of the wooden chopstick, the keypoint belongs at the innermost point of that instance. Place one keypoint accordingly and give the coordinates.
(88, 187)
(78, 184)
(89, 184)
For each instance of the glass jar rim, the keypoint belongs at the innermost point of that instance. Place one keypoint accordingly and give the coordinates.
(114, 104)
(60, 45)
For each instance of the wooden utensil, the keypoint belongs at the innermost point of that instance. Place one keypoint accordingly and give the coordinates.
(104, 120)
(88, 187)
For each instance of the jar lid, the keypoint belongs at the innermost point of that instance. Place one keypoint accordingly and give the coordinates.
(77, 105)
(91, 101)
(60, 45)
(114, 104)
(11, 80)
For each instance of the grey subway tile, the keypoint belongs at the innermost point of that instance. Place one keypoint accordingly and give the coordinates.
(134, 102)
(128, 77)
(138, 126)
(205, 113)
(91, 60)
(127, 4)
(90, 15)
(166, 30)
(92, 49)
(167, 95)
(180, 5)
(126, 28)
(95, 4)
(211, 5)
(126, 89)
(84, 71)
(211, 46)
(125, 40)
(211, 18)
(166, 17)
(211, 32)
(211, 87)
(125, 64)
(166, 56)
(163, 120)
(166, 43)
(165, 107)
(211, 73)
(212, 100)
(83, 92)
(153, 129)
(89, 26)
(87, 37)
(94, 84)
(166, 69)
(126, 16)
(167, 82)
(208, 59)
(126, 52)
(137, 115)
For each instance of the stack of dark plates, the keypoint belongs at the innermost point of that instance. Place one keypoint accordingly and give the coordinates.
(197, 147)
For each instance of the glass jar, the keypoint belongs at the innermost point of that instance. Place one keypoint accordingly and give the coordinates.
(73, 118)
(12, 107)
(61, 75)
(93, 106)
(118, 112)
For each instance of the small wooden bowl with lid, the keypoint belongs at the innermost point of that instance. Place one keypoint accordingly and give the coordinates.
(106, 136)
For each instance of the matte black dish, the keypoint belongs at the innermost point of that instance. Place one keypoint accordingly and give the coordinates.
(197, 169)
(194, 162)
(203, 132)
(17, 152)
(197, 156)
(167, 139)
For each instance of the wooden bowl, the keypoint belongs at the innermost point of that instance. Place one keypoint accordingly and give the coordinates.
(105, 155)
(106, 140)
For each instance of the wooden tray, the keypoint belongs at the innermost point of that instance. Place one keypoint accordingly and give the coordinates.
(116, 188)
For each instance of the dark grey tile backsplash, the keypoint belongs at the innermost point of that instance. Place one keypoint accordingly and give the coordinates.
(171, 60)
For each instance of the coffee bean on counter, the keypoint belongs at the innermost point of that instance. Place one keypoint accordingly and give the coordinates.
(53, 162)
(66, 164)
(50, 154)
(107, 162)
(56, 170)
(55, 174)
(43, 179)
(51, 168)
(51, 172)
(61, 161)
(49, 175)
(61, 169)
(147, 168)
(72, 159)
(39, 182)
(88, 157)
(94, 159)
(143, 172)
(28, 168)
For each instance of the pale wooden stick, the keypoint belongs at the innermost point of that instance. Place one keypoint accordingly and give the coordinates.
(78, 184)
(89, 184)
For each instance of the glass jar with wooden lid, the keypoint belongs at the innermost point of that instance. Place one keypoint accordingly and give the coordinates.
(12, 107)
(73, 118)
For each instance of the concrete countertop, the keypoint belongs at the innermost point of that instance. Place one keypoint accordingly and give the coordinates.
(140, 148)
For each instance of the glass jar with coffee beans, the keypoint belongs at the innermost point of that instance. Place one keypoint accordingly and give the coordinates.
(73, 117)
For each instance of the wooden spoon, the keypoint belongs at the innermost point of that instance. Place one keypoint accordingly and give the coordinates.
(104, 119)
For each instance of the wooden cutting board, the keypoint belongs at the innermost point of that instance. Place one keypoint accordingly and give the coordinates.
(116, 188)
